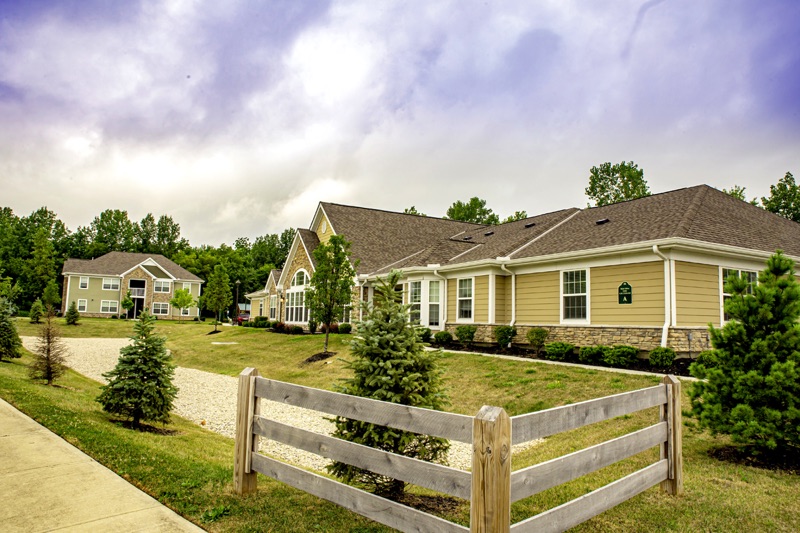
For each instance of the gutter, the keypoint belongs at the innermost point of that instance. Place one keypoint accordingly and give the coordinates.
(667, 296)
(513, 289)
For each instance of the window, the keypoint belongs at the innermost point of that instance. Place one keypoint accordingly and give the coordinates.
(299, 279)
(160, 308)
(260, 308)
(748, 275)
(415, 299)
(433, 303)
(185, 311)
(465, 299)
(574, 295)
(82, 306)
(187, 287)
(84, 284)
(161, 286)
(110, 284)
(273, 307)
(295, 307)
(346, 314)
(109, 306)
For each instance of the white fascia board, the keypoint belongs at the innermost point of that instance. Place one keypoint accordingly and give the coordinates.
(318, 214)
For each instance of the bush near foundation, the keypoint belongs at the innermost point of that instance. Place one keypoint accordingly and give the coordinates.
(559, 351)
(537, 338)
(466, 334)
(662, 357)
(592, 355)
(442, 338)
(621, 356)
(504, 335)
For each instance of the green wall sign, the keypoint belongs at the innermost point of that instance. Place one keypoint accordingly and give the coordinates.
(625, 293)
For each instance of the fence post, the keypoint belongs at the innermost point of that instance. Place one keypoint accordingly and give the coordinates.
(490, 509)
(244, 480)
(672, 450)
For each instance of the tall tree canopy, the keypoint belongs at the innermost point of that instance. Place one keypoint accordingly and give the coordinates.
(784, 198)
(609, 184)
(474, 210)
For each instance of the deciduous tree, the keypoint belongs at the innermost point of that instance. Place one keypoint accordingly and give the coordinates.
(609, 184)
(182, 300)
(474, 210)
(784, 198)
(217, 295)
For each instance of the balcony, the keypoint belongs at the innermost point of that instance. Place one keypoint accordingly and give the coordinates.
(137, 293)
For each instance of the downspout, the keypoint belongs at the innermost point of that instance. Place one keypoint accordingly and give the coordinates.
(513, 293)
(667, 296)
(443, 294)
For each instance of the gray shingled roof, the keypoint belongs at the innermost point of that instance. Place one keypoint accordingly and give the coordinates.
(311, 241)
(115, 263)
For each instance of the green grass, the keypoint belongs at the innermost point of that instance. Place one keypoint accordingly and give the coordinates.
(191, 471)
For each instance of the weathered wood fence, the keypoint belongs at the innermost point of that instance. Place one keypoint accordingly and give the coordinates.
(491, 487)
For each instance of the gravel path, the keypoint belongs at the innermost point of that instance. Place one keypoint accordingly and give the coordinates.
(209, 400)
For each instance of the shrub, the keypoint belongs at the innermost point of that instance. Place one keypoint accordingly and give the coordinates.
(196, 319)
(442, 338)
(621, 356)
(261, 322)
(73, 316)
(707, 358)
(592, 355)
(115, 317)
(504, 335)
(345, 328)
(334, 328)
(247, 324)
(466, 334)
(123, 316)
(662, 357)
(23, 314)
(37, 311)
(296, 330)
(312, 326)
(753, 393)
(536, 338)
(425, 335)
(559, 351)
(279, 327)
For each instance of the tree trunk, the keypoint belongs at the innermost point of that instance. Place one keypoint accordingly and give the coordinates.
(327, 332)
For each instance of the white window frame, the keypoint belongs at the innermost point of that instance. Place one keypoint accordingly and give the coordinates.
(83, 281)
(470, 298)
(346, 314)
(113, 284)
(82, 303)
(296, 310)
(160, 306)
(415, 302)
(108, 305)
(162, 283)
(437, 303)
(273, 307)
(563, 295)
(187, 287)
(753, 274)
(186, 311)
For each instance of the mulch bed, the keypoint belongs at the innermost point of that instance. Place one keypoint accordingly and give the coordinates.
(742, 455)
(318, 357)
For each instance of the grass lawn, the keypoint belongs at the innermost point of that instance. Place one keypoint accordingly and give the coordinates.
(191, 470)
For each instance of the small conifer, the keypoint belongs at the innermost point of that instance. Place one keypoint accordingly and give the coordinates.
(50, 355)
(10, 343)
(72, 316)
(37, 311)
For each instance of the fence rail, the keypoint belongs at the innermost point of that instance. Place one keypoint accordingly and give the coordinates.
(491, 487)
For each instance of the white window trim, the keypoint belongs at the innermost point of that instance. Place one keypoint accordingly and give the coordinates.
(471, 298)
(294, 289)
(162, 282)
(561, 295)
(273, 309)
(418, 303)
(112, 281)
(109, 302)
(186, 311)
(428, 303)
(723, 294)
(80, 282)
(160, 304)
(187, 287)
(84, 305)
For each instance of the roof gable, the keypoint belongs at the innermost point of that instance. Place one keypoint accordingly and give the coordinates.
(118, 263)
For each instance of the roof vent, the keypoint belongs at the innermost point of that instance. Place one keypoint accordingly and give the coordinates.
(488, 233)
(530, 224)
(468, 238)
(602, 221)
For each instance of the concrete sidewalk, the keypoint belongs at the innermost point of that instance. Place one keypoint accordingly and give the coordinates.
(46, 484)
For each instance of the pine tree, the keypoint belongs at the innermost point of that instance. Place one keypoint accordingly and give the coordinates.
(10, 343)
(50, 355)
(753, 394)
(390, 365)
(72, 315)
(37, 310)
(140, 386)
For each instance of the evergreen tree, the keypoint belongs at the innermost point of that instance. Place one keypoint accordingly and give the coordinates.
(140, 386)
(331, 284)
(72, 315)
(50, 355)
(390, 364)
(51, 296)
(37, 310)
(753, 394)
(10, 343)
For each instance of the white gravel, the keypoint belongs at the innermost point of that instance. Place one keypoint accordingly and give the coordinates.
(209, 400)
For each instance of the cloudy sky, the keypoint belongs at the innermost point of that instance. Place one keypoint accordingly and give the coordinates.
(238, 117)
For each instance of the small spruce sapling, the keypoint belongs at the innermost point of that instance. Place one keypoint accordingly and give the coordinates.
(50, 355)
(73, 316)
(10, 343)
(140, 387)
(390, 364)
(37, 311)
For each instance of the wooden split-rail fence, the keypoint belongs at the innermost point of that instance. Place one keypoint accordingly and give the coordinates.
(491, 486)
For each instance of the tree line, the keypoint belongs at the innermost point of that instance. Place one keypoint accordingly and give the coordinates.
(33, 249)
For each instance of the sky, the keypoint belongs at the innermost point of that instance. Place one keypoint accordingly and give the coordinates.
(236, 118)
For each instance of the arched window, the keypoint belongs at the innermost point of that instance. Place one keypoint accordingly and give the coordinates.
(295, 299)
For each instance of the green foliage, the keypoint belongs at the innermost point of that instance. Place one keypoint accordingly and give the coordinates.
(51, 296)
(784, 198)
(466, 334)
(559, 351)
(474, 210)
(10, 343)
(332, 282)
(72, 316)
(295, 330)
(312, 326)
(593, 355)
(753, 393)
(425, 335)
(182, 299)
(662, 357)
(50, 355)
(442, 338)
(504, 335)
(127, 304)
(217, 295)
(140, 386)
(738, 192)
(609, 184)
(413, 211)
(536, 338)
(279, 327)
(707, 358)
(390, 364)
(261, 322)
(345, 328)
(37, 311)
(621, 356)
(518, 215)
